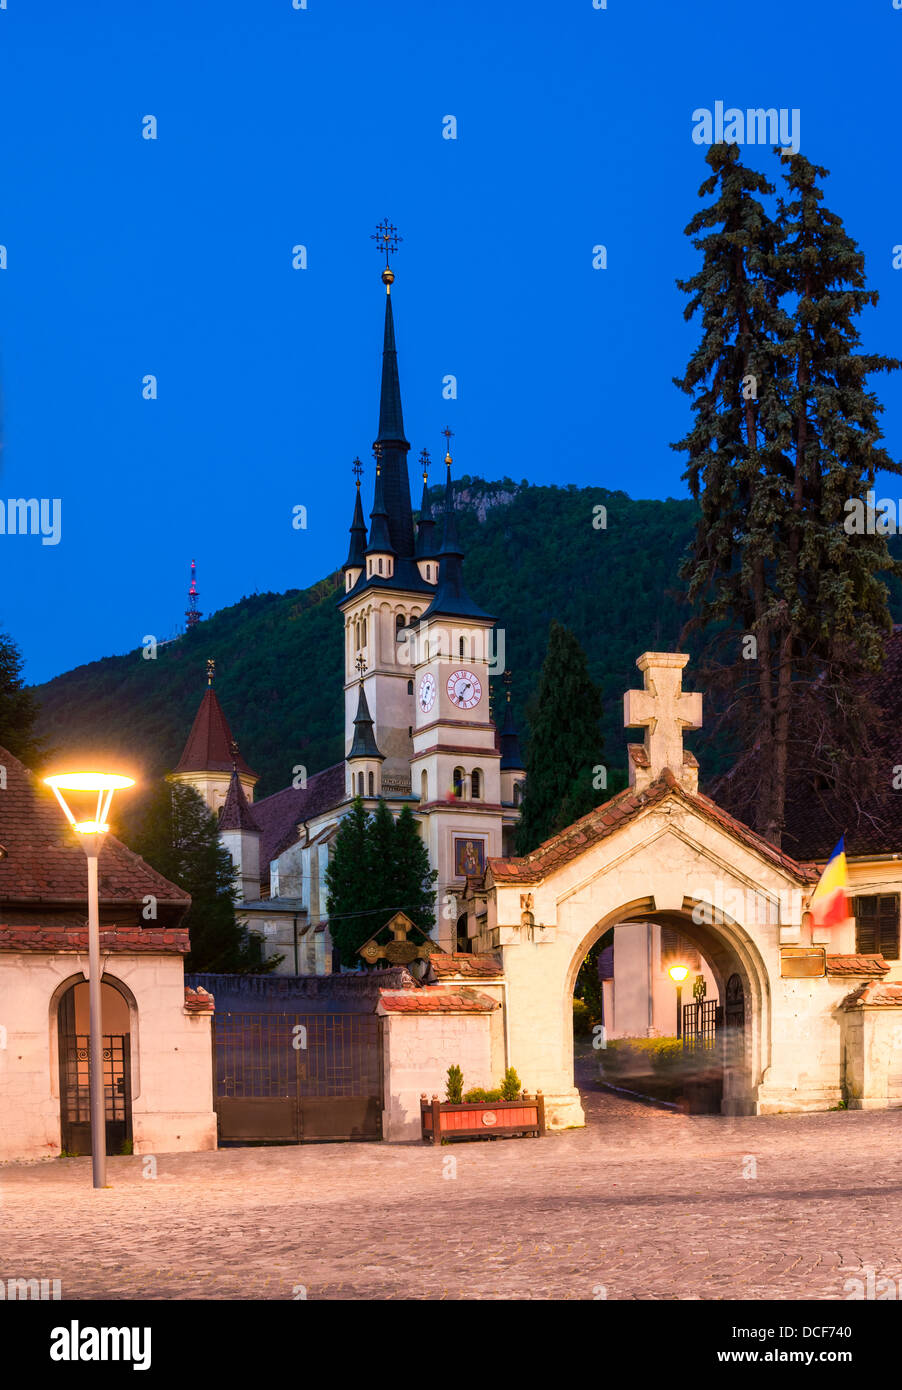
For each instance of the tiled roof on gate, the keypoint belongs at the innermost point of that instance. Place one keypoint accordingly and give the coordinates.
(210, 743)
(46, 864)
(56, 940)
(434, 1000)
(857, 965)
(560, 849)
(279, 815)
(471, 967)
(878, 992)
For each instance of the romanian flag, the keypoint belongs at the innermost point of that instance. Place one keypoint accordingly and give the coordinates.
(829, 902)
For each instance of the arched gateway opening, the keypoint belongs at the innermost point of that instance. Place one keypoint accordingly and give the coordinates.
(699, 1048)
(73, 1029)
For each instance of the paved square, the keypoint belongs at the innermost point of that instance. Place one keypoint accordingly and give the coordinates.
(642, 1204)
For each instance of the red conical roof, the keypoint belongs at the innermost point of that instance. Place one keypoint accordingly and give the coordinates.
(210, 742)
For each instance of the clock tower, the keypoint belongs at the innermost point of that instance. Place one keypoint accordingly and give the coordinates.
(455, 765)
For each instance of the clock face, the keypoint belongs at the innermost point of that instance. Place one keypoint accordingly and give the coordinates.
(464, 689)
(427, 693)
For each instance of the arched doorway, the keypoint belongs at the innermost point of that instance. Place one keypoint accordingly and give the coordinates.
(720, 1024)
(73, 1029)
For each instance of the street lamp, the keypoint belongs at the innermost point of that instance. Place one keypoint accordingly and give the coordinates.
(90, 833)
(678, 974)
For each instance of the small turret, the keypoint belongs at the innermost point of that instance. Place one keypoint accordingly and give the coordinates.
(511, 765)
(354, 564)
(427, 562)
(363, 757)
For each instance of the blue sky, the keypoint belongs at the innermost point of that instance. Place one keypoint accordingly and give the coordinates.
(279, 127)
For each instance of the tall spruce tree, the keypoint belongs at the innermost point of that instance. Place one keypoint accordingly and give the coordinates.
(771, 559)
(347, 884)
(737, 378)
(178, 837)
(566, 747)
(379, 866)
(18, 706)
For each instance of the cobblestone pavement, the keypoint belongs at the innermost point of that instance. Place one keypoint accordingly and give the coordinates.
(644, 1203)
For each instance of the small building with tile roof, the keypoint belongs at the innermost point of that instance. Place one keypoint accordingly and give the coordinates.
(157, 1034)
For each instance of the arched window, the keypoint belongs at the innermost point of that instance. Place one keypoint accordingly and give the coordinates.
(380, 564)
(399, 623)
(360, 784)
(518, 793)
(424, 786)
(364, 632)
(476, 784)
(410, 687)
(458, 781)
(428, 571)
(463, 646)
(372, 785)
(463, 941)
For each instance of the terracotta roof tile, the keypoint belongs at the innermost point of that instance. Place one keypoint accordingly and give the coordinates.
(604, 819)
(857, 965)
(209, 746)
(877, 992)
(279, 815)
(435, 1000)
(235, 813)
(466, 966)
(45, 864)
(60, 940)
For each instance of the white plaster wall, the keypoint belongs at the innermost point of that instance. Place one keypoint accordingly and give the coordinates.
(417, 1051)
(171, 1054)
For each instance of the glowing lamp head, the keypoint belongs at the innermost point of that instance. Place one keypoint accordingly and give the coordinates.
(103, 783)
(678, 973)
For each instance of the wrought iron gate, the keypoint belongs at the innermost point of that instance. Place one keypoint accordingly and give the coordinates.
(75, 1092)
(734, 1011)
(287, 1078)
(701, 1022)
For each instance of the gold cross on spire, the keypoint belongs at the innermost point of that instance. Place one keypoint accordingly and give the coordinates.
(357, 470)
(387, 240)
(360, 663)
(425, 462)
(211, 670)
(449, 435)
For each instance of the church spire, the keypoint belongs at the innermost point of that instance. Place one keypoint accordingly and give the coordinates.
(390, 438)
(380, 534)
(357, 548)
(451, 598)
(425, 525)
(508, 738)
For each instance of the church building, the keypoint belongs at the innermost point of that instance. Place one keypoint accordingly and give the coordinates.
(419, 653)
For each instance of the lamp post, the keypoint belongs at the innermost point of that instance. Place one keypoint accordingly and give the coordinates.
(90, 834)
(678, 974)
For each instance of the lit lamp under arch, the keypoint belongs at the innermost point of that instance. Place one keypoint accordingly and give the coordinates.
(90, 830)
(678, 974)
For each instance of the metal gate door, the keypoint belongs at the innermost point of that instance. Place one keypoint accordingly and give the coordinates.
(287, 1078)
(75, 1092)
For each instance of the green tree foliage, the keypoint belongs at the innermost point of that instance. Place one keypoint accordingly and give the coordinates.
(784, 433)
(454, 1086)
(178, 837)
(379, 866)
(566, 744)
(19, 707)
(347, 884)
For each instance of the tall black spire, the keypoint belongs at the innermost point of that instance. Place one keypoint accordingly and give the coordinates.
(451, 598)
(380, 536)
(508, 738)
(364, 745)
(391, 438)
(357, 548)
(425, 525)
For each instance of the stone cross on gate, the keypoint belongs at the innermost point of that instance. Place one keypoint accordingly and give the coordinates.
(664, 709)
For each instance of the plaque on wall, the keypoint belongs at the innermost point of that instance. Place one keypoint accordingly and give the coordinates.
(803, 962)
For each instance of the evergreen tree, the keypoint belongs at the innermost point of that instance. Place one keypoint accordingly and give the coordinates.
(414, 882)
(347, 884)
(18, 707)
(381, 891)
(771, 558)
(737, 378)
(178, 837)
(565, 744)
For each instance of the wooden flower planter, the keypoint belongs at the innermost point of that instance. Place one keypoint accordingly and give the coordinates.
(481, 1119)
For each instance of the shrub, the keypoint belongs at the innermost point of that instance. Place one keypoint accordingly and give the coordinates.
(455, 1085)
(478, 1095)
(511, 1086)
(638, 1055)
(582, 1019)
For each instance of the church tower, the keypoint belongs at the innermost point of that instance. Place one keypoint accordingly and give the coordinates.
(209, 758)
(456, 760)
(385, 591)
